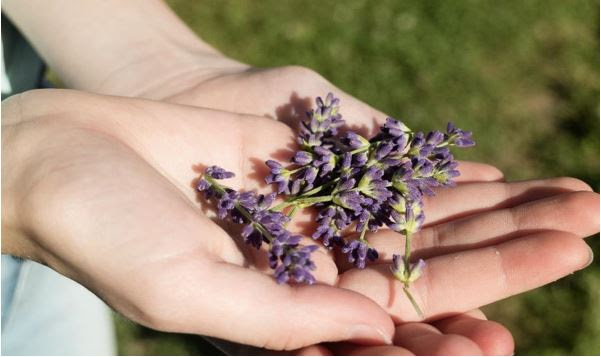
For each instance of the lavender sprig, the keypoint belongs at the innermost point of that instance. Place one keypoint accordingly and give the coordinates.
(353, 182)
(262, 225)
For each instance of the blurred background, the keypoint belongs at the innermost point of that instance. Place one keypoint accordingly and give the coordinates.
(522, 75)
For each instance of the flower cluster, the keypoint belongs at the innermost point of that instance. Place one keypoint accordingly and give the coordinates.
(261, 225)
(365, 183)
(355, 183)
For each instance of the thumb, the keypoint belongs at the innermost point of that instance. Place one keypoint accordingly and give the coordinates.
(249, 307)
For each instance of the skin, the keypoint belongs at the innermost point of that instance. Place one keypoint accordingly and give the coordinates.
(96, 188)
(79, 171)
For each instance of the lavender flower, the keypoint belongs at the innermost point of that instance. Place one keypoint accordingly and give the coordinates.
(218, 173)
(394, 128)
(302, 158)
(332, 220)
(262, 224)
(406, 274)
(354, 141)
(358, 252)
(356, 183)
(372, 185)
(278, 175)
(458, 137)
(291, 261)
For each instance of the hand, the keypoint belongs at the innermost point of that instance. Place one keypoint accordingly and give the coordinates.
(465, 334)
(81, 173)
(100, 189)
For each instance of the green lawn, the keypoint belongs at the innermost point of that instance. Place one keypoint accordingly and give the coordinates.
(522, 75)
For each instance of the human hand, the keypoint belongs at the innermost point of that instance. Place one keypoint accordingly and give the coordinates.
(101, 190)
(464, 334)
(105, 234)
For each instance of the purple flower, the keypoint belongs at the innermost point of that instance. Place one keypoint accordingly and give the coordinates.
(202, 185)
(278, 175)
(290, 261)
(227, 202)
(325, 160)
(410, 221)
(302, 158)
(218, 173)
(350, 200)
(331, 221)
(353, 181)
(214, 172)
(434, 138)
(354, 140)
(384, 148)
(394, 127)
(359, 159)
(372, 185)
(458, 137)
(358, 252)
(445, 171)
(406, 274)
(322, 123)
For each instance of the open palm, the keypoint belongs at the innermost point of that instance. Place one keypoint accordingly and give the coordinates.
(101, 189)
(479, 219)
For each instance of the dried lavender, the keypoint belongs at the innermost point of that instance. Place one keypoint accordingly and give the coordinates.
(354, 182)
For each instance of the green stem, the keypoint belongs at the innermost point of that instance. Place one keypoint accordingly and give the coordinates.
(407, 250)
(301, 201)
(319, 188)
(282, 205)
(363, 231)
(221, 190)
(413, 302)
(292, 213)
(214, 184)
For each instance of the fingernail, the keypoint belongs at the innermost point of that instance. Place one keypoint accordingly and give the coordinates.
(591, 257)
(369, 334)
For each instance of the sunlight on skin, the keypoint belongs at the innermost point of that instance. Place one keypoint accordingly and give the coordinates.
(138, 159)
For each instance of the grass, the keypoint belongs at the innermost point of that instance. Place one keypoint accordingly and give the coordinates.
(523, 75)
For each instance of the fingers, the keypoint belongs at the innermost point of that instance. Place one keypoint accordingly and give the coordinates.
(464, 334)
(576, 213)
(425, 339)
(472, 198)
(349, 349)
(249, 307)
(466, 280)
(478, 172)
(492, 338)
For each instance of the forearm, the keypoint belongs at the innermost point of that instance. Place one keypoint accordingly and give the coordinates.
(131, 48)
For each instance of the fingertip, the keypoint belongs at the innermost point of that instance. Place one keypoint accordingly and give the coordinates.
(457, 345)
(314, 350)
(571, 183)
(476, 171)
(575, 253)
(492, 338)
(425, 339)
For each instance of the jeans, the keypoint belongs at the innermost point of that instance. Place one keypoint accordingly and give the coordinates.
(45, 313)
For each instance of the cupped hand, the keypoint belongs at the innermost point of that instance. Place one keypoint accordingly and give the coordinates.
(470, 238)
(101, 189)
